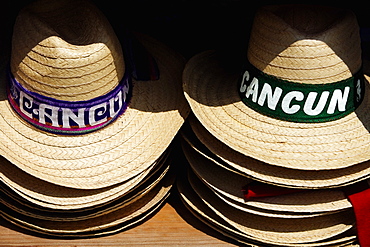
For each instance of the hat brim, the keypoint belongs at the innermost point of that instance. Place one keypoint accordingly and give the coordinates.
(283, 230)
(40, 195)
(211, 89)
(223, 155)
(202, 211)
(119, 217)
(113, 154)
(228, 186)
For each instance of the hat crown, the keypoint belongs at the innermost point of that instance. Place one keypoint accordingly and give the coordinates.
(66, 50)
(307, 44)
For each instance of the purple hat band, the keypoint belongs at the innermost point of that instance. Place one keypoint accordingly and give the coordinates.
(69, 117)
(81, 117)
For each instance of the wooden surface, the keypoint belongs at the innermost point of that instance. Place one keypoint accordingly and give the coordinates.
(172, 225)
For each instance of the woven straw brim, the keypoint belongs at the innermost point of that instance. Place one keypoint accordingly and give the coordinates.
(119, 218)
(212, 92)
(79, 209)
(283, 230)
(48, 195)
(294, 206)
(276, 175)
(58, 215)
(113, 154)
(228, 186)
(196, 206)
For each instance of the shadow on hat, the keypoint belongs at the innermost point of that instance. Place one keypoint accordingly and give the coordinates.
(81, 108)
(300, 102)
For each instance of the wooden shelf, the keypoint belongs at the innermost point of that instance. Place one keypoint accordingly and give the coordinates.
(172, 225)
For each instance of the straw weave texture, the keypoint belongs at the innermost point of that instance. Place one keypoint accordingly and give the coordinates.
(116, 153)
(277, 175)
(66, 53)
(212, 92)
(229, 185)
(307, 44)
(195, 204)
(25, 188)
(119, 218)
(281, 230)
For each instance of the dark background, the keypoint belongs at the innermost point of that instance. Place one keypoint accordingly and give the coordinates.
(187, 26)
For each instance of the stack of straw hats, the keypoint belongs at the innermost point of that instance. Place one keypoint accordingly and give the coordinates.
(86, 122)
(276, 145)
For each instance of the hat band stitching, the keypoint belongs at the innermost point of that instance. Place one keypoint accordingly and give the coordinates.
(69, 117)
(300, 102)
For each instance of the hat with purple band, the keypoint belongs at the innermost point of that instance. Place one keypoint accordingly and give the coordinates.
(81, 108)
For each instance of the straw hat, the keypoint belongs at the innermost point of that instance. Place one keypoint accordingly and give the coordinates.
(282, 109)
(228, 186)
(274, 229)
(66, 57)
(222, 184)
(48, 197)
(222, 155)
(31, 209)
(117, 217)
(207, 208)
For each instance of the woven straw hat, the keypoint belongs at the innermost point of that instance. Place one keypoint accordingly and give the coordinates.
(31, 209)
(222, 218)
(223, 182)
(228, 186)
(222, 155)
(274, 229)
(67, 51)
(117, 217)
(48, 197)
(302, 51)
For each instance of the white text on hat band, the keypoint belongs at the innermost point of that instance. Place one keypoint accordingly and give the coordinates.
(298, 102)
(67, 117)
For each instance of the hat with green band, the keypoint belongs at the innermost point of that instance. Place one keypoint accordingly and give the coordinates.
(300, 102)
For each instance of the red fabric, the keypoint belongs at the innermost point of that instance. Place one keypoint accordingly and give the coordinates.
(361, 205)
(257, 189)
